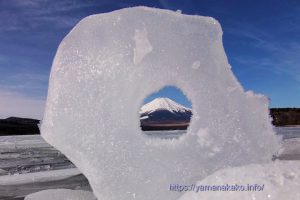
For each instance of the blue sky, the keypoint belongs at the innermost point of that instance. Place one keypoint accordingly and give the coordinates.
(261, 40)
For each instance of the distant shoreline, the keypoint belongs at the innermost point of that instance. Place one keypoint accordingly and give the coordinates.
(19, 126)
(160, 127)
(285, 116)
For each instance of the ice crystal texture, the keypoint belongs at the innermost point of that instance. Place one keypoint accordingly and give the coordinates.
(108, 64)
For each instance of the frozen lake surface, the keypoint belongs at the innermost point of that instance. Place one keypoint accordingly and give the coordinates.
(29, 153)
(289, 132)
(28, 164)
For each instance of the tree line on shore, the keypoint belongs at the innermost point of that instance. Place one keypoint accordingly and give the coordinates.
(285, 116)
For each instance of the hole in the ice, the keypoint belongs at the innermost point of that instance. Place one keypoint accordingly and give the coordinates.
(166, 114)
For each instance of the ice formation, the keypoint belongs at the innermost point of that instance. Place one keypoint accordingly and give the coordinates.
(108, 64)
(61, 194)
(276, 181)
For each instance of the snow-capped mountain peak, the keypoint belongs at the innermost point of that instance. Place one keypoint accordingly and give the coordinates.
(163, 104)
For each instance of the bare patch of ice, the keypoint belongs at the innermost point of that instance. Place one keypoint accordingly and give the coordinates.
(142, 45)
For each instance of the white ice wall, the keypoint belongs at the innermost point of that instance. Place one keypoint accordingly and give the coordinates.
(108, 64)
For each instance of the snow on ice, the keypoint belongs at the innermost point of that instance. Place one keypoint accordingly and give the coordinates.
(163, 104)
(108, 64)
(61, 194)
(275, 181)
(40, 177)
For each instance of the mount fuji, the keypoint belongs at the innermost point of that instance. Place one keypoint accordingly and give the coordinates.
(164, 114)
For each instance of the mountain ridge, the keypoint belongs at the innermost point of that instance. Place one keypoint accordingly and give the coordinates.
(163, 103)
(164, 114)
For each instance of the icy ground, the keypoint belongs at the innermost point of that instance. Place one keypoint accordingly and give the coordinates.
(278, 181)
(13, 187)
(13, 149)
(61, 194)
(288, 132)
(20, 156)
(30, 153)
